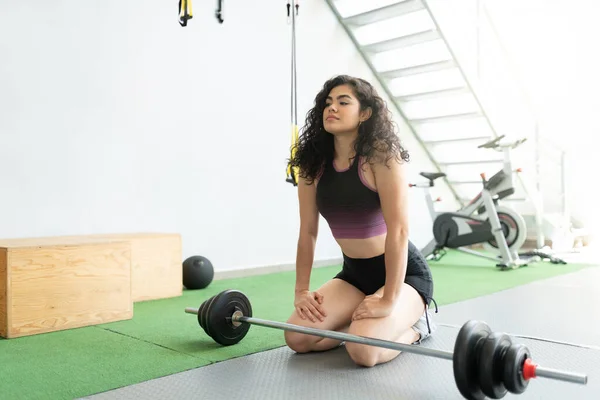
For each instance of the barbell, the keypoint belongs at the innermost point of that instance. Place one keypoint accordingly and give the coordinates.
(485, 363)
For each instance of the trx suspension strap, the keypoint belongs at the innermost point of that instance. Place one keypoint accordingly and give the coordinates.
(219, 11)
(292, 172)
(185, 11)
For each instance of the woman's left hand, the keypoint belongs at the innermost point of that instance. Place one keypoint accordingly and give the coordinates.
(373, 306)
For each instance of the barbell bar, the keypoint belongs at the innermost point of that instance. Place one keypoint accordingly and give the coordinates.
(485, 363)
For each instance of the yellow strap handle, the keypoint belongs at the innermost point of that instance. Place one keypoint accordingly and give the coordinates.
(292, 172)
(185, 11)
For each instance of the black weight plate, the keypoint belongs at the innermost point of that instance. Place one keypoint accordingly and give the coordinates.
(203, 317)
(466, 358)
(513, 368)
(491, 365)
(222, 307)
(207, 314)
(202, 312)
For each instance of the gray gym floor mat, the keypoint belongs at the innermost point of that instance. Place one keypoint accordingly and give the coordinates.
(282, 374)
(563, 308)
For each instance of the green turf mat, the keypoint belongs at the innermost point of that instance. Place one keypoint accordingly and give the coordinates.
(457, 277)
(79, 362)
(164, 321)
(162, 339)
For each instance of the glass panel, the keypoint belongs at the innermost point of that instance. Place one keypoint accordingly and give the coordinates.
(403, 25)
(463, 151)
(429, 52)
(550, 177)
(466, 128)
(348, 8)
(479, 51)
(457, 20)
(444, 105)
(426, 82)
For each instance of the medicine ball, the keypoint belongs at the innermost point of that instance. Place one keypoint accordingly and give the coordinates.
(198, 272)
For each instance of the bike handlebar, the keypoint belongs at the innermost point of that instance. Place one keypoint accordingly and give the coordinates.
(494, 143)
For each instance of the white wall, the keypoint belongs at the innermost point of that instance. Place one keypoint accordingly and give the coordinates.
(113, 118)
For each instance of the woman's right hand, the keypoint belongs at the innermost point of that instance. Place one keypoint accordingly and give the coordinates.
(309, 305)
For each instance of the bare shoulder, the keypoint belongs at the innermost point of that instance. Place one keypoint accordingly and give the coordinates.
(392, 188)
(388, 170)
(306, 189)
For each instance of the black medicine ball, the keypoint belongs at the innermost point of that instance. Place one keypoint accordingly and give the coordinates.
(198, 272)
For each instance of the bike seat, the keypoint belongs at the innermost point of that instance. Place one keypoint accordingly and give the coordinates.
(432, 176)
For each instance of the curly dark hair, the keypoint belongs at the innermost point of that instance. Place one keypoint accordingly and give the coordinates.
(376, 136)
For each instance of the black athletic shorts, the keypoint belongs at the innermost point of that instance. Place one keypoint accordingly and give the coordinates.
(368, 274)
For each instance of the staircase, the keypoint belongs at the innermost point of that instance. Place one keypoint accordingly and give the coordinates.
(443, 66)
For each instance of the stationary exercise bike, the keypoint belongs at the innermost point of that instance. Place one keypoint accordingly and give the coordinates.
(482, 221)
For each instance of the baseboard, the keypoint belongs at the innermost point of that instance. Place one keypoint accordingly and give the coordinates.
(269, 269)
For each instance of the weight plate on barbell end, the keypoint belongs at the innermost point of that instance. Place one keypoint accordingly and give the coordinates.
(202, 311)
(513, 368)
(465, 361)
(221, 329)
(491, 364)
(208, 326)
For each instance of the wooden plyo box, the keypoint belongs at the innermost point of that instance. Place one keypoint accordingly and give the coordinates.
(58, 283)
(156, 263)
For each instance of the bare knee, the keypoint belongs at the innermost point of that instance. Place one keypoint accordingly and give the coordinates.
(298, 342)
(362, 354)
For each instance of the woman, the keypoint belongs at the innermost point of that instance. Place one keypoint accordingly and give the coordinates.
(351, 172)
